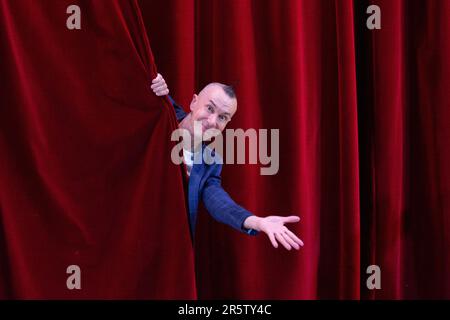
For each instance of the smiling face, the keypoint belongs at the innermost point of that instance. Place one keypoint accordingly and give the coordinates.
(212, 107)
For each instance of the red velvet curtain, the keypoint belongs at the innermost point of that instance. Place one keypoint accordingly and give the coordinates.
(364, 123)
(85, 172)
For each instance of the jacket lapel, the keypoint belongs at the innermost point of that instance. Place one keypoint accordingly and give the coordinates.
(194, 186)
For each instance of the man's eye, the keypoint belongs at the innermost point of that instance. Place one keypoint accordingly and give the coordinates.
(210, 108)
(223, 118)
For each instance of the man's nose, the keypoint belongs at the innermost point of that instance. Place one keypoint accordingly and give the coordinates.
(212, 121)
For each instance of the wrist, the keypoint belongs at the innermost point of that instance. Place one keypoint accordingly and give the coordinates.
(253, 222)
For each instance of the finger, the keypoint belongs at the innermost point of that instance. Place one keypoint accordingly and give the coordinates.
(281, 240)
(159, 85)
(158, 77)
(272, 239)
(162, 93)
(154, 87)
(159, 90)
(295, 238)
(291, 219)
(157, 82)
(290, 241)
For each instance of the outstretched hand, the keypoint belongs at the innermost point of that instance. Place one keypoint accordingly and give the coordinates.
(274, 228)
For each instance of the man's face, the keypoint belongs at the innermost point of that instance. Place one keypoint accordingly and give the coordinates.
(213, 108)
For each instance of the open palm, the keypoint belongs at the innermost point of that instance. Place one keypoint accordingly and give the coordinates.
(274, 228)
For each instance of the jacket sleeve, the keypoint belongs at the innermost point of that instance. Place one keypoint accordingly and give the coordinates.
(220, 205)
(179, 111)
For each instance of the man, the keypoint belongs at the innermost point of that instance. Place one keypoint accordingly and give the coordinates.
(213, 108)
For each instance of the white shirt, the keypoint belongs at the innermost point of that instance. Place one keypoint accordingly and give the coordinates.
(188, 159)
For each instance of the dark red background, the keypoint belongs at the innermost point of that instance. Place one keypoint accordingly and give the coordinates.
(364, 119)
(364, 125)
(86, 177)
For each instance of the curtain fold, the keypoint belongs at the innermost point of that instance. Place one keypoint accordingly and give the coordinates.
(363, 116)
(86, 178)
(364, 124)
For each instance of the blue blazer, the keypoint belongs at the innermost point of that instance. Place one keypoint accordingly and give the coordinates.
(205, 184)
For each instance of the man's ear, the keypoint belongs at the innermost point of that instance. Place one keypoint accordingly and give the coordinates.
(193, 102)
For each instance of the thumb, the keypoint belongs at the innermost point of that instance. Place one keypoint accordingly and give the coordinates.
(158, 77)
(291, 219)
